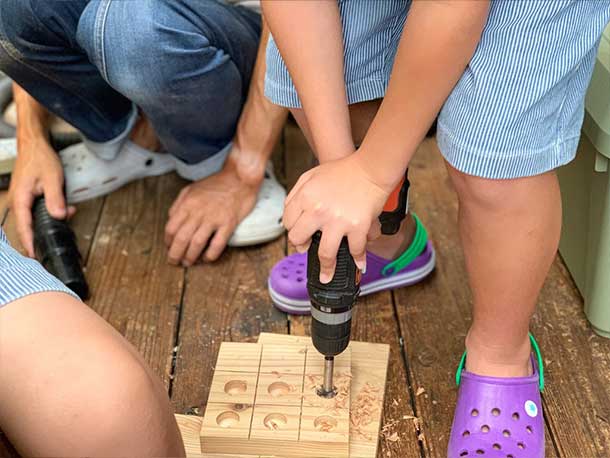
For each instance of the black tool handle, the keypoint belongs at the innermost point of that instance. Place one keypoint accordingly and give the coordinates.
(332, 303)
(56, 249)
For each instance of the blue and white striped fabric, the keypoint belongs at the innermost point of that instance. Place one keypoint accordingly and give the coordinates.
(21, 276)
(517, 110)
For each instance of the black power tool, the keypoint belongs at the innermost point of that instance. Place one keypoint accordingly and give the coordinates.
(332, 303)
(56, 249)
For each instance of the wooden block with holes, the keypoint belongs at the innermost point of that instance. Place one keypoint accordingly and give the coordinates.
(263, 401)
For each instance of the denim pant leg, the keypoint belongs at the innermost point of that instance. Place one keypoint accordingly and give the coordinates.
(186, 64)
(39, 51)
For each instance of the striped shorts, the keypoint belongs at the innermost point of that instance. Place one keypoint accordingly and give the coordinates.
(517, 109)
(21, 276)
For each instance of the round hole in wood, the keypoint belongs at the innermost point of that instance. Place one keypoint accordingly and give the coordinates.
(275, 421)
(235, 387)
(227, 419)
(278, 389)
(325, 423)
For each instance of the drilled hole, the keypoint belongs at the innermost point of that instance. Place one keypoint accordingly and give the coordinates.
(497, 447)
(521, 445)
(474, 413)
(277, 389)
(235, 387)
(485, 428)
(325, 423)
(466, 433)
(495, 412)
(275, 421)
(227, 419)
(506, 433)
(529, 429)
(516, 416)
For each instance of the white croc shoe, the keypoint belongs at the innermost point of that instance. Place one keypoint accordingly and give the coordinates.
(264, 223)
(87, 176)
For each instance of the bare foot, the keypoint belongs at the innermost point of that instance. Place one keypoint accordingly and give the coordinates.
(392, 246)
(144, 135)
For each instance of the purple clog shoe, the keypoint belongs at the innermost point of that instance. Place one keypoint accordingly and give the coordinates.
(499, 417)
(288, 279)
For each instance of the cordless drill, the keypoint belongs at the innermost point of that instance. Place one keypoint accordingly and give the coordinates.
(332, 303)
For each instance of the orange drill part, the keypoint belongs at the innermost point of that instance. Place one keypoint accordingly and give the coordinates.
(392, 202)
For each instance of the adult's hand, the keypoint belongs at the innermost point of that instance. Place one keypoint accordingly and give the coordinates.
(206, 213)
(38, 171)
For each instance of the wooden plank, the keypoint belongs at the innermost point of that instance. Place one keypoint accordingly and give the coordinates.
(224, 301)
(435, 314)
(190, 426)
(312, 427)
(133, 287)
(369, 369)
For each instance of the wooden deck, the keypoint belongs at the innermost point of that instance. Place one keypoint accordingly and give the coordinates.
(178, 317)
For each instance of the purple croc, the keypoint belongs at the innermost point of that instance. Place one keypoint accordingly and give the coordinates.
(499, 417)
(288, 278)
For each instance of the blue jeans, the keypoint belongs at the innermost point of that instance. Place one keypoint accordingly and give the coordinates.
(186, 64)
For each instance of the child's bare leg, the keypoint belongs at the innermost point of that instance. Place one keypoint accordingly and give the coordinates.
(73, 386)
(510, 233)
(361, 117)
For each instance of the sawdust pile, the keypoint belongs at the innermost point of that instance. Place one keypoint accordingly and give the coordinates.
(366, 408)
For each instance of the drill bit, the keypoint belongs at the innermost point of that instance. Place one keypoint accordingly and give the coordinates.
(327, 390)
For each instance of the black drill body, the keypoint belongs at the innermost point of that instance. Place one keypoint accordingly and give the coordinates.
(332, 303)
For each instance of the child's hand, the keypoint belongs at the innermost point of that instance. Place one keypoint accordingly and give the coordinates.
(339, 199)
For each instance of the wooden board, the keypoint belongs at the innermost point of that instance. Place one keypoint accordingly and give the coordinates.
(295, 421)
(369, 363)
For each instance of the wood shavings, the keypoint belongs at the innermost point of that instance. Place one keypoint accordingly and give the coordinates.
(421, 390)
(393, 438)
(365, 408)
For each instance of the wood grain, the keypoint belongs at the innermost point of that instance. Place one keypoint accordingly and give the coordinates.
(133, 287)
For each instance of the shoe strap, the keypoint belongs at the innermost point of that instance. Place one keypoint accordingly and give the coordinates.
(415, 249)
(537, 352)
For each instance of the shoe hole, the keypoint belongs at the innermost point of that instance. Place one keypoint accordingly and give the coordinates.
(79, 190)
(464, 453)
(480, 452)
(510, 456)
(506, 433)
(284, 275)
(521, 445)
(149, 162)
(302, 264)
(495, 412)
(529, 429)
(497, 447)
(474, 413)
(485, 428)
(300, 279)
(299, 271)
(516, 416)
(110, 180)
(466, 433)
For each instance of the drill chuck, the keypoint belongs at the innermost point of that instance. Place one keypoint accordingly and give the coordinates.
(332, 303)
(56, 249)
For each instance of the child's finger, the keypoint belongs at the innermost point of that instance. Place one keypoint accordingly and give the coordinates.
(303, 229)
(292, 213)
(357, 248)
(297, 187)
(327, 253)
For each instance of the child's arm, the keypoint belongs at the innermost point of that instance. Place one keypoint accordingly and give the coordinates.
(309, 36)
(345, 197)
(439, 40)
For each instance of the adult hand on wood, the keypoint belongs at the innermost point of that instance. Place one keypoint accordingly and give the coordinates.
(206, 213)
(340, 199)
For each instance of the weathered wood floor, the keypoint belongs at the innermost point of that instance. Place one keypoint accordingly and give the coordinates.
(178, 317)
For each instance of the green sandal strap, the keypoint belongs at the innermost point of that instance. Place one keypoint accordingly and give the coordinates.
(535, 347)
(415, 249)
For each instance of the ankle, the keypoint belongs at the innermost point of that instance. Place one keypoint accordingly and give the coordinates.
(392, 246)
(486, 355)
(144, 135)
